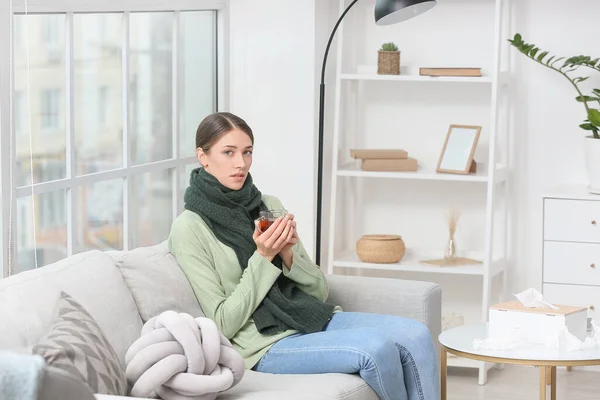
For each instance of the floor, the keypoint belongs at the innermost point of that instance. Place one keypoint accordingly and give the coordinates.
(521, 383)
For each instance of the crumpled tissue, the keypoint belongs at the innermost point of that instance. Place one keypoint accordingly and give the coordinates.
(534, 299)
(512, 340)
(563, 340)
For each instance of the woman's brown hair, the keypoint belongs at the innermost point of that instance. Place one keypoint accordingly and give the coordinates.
(216, 125)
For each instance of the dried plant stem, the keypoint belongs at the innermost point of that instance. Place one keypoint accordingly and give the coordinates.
(453, 222)
(450, 251)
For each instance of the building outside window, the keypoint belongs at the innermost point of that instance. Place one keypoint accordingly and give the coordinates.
(50, 109)
(113, 122)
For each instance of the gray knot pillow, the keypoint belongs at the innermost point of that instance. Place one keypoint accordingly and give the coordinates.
(179, 356)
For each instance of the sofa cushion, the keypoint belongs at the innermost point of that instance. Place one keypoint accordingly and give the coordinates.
(259, 385)
(27, 301)
(156, 281)
(60, 385)
(76, 344)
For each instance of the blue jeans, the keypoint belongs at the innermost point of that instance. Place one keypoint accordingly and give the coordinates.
(394, 355)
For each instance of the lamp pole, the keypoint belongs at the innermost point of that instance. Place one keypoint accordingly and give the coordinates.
(321, 134)
(387, 12)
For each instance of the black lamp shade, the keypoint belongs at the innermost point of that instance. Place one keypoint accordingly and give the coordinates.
(388, 12)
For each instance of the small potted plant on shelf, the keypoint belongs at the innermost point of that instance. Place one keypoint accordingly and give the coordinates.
(388, 60)
(590, 102)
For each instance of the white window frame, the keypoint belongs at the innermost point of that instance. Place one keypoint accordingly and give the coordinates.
(19, 112)
(127, 171)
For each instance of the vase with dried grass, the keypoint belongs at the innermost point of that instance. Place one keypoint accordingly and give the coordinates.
(450, 251)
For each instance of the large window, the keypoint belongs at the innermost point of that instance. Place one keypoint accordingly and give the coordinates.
(50, 109)
(113, 98)
(19, 118)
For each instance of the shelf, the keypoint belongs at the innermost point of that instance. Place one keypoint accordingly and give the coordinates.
(411, 77)
(410, 263)
(364, 98)
(423, 174)
(417, 78)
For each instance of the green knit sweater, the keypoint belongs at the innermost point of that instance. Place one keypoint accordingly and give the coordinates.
(229, 295)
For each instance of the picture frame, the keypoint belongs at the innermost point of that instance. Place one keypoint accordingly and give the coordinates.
(459, 147)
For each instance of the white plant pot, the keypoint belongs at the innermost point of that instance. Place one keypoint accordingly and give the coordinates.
(592, 163)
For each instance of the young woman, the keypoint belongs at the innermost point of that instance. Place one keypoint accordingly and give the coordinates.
(264, 292)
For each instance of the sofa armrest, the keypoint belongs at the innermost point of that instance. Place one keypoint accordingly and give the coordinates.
(418, 300)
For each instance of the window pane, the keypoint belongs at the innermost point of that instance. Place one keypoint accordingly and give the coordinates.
(43, 98)
(184, 182)
(153, 211)
(150, 83)
(198, 48)
(51, 229)
(19, 113)
(100, 216)
(98, 94)
(184, 178)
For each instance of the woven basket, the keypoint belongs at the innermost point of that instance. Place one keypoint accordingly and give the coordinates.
(388, 63)
(380, 249)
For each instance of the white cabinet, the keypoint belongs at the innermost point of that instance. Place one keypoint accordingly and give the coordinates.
(576, 295)
(572, 220)
(571, 248)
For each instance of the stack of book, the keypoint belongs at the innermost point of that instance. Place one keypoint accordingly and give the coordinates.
(466, 71)
(385, 160)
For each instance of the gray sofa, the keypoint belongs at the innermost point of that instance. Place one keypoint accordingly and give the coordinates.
(122, 290)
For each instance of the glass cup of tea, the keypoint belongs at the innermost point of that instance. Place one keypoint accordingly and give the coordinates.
(267, 217)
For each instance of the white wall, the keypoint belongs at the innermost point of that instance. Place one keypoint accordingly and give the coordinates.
(547, 137)
(273, 87)
(276, 59)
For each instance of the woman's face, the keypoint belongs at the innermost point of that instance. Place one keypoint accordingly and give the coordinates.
(229, 159)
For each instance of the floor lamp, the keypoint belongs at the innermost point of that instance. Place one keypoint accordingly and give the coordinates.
(387, 12)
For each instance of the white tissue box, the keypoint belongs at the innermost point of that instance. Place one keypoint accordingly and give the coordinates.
(536, 325)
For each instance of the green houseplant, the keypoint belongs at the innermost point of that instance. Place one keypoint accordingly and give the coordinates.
(390, 46)
(388, 59)
(572, 69)
(569, 65)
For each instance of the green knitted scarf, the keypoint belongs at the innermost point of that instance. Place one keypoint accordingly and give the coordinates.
(231, 214)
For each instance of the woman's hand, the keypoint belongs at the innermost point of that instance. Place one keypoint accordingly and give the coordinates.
(286, 252)
(270, 242)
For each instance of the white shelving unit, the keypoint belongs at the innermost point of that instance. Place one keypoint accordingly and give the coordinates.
(482, 175)
(492, 176)
(419, 78)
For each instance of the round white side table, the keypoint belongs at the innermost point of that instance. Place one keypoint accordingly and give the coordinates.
(459, 341)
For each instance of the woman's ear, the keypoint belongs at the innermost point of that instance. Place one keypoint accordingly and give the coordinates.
(201, 155)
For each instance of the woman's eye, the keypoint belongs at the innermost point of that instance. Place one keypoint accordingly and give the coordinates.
(228, 152)
(249, 153)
